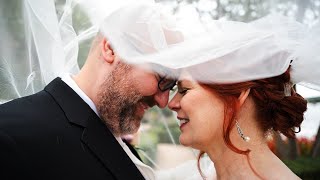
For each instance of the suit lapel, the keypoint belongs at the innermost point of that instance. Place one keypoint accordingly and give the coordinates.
(96, 135)
(102, 142)
(132, 149)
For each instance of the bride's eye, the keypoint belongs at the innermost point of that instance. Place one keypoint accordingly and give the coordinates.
(182, 90)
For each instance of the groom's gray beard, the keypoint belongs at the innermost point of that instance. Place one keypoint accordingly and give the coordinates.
(118, 102)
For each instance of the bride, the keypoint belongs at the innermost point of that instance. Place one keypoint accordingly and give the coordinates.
(230, 123)
(228, 105)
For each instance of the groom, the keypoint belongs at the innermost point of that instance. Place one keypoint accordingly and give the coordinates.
(72, 129)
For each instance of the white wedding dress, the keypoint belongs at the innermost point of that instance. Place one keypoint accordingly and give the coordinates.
(189, 171)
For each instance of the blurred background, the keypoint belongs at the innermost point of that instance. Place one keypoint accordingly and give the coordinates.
(157, 140)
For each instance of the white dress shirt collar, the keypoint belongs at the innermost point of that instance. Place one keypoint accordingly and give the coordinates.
(73, 85)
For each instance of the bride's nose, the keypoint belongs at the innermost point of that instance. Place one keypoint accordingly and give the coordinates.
(174, 104)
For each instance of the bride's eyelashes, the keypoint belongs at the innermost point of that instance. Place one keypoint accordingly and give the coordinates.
(184, 86)
(183, 90)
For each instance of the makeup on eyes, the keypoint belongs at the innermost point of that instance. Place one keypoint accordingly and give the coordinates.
(184, 86)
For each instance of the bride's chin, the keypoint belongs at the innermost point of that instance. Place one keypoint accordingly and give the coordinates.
(183, 141)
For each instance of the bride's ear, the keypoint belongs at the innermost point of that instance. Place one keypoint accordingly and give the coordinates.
(243, 96)
(107, 51)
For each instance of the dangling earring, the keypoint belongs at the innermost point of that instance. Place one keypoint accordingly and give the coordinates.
(245, 138)
(287, 89)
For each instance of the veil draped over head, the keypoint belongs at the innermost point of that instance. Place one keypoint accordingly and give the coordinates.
(229, 51)
(45, 42)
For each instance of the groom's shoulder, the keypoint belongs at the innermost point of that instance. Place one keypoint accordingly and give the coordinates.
(28, 109)
(24, 104)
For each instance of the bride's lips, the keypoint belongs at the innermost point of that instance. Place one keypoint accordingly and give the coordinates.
(183, 122)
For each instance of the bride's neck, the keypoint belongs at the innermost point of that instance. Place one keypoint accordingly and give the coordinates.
(231, 165)
(260, 163)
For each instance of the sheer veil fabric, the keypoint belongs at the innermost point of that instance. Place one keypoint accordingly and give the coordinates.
(47, 45)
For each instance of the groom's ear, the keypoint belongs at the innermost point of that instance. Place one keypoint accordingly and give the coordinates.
(243, 96)
(107, 51)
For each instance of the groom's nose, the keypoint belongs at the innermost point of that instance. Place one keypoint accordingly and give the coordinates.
(162, 98)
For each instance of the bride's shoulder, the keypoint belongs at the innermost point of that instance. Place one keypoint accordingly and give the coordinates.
(188, 171)
(285, 175)
(289, 175)
(283, 172)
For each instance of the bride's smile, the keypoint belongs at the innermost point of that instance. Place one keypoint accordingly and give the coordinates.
(200, 114)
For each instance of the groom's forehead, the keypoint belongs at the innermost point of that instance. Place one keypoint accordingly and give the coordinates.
(165, 71)
(151, 68)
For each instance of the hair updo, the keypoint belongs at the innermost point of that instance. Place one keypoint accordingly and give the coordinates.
(275, 109)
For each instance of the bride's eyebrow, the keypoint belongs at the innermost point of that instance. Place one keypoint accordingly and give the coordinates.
(182, 83)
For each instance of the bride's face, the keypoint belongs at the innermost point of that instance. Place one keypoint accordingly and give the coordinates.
(201, 114)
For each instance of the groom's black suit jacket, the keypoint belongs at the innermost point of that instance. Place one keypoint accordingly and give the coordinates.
(54, 134)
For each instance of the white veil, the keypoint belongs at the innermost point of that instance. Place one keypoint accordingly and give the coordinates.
(47, 44)
(219, 51)
(35, 53)
(228, 51)
(40, 41)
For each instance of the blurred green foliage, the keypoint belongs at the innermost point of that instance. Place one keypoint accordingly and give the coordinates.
(306, 168)
(160, 127)
(304, 165)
